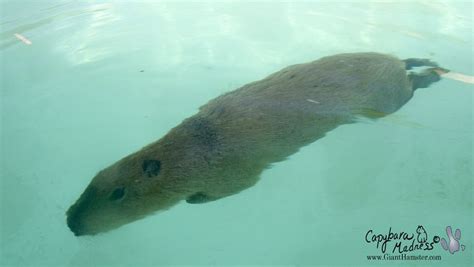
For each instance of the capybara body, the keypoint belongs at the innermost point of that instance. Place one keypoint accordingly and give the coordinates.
(224, 148)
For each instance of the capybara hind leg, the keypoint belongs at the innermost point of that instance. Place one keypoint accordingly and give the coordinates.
(418, 62)
(423, 79)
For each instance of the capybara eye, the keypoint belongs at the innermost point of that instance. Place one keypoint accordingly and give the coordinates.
(118, 193)
(151, 167)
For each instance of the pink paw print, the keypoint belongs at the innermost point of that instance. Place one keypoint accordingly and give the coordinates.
(453, 245)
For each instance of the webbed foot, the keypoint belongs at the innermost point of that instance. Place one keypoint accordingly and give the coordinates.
(418, 62)
(424, 79)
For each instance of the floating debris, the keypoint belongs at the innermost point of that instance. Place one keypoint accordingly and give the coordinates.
(459, 77)
(456, 76)
(23, 39)
(313, 101)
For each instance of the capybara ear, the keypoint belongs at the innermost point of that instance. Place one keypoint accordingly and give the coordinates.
(151, 167)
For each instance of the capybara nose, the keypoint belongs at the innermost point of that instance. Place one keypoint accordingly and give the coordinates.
(77, 212)
(76, 231)
(73, 221)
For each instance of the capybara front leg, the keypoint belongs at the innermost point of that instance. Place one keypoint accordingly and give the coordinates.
(199, 198)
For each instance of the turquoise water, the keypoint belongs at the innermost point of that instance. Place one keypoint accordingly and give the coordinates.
(102, 79)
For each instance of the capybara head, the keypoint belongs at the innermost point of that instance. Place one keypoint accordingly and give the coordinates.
(126, 191)
(152, 179)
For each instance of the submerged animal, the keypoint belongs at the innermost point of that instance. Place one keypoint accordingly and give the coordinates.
(224, 148)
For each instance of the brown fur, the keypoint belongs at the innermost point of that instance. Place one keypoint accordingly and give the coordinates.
(224, 148)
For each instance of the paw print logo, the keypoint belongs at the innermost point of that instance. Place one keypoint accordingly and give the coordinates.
(453, 244)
